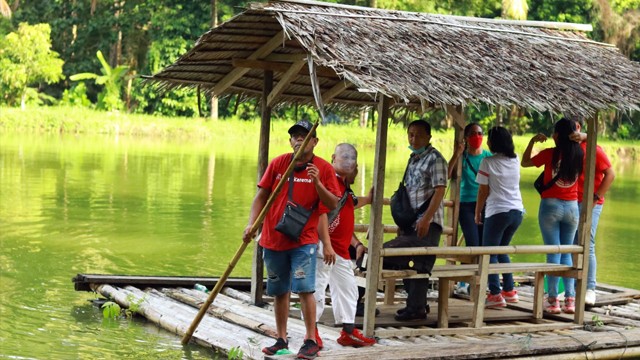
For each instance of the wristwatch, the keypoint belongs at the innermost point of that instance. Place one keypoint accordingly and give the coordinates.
(596, 197)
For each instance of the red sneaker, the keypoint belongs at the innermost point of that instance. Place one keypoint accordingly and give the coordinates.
(318, 339)
(510, 296)
(355, 339)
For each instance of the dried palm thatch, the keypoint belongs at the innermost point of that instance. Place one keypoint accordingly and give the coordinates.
(414, 58)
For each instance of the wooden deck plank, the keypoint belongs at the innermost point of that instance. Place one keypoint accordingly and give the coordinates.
(416, 339)
(509, 347)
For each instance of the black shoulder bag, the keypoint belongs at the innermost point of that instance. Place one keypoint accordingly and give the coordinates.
(295, 216)
(403, 214)
(541, 186)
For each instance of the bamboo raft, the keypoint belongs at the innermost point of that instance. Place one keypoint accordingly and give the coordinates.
(613, 329)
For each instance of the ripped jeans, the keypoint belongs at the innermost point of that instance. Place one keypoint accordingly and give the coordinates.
(291, 270)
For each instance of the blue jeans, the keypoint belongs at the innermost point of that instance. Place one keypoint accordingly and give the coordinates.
(498, 231)
(595, 218)
(291, 270)
(558, 221)
(467, 218)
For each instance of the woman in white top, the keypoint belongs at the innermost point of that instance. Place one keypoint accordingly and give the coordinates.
(499, 179)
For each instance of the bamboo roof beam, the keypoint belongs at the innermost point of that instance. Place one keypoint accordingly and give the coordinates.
(278, 66)
(286, 79)
(285, 57)
(335, 91)
(237, 73)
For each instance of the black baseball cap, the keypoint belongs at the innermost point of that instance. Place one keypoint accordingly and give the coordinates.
(304, 125)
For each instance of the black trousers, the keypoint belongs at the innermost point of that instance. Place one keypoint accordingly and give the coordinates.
(416, 288)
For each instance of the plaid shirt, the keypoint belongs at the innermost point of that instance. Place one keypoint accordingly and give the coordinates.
(426, 172)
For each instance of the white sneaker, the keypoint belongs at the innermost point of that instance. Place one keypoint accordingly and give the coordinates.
(462, 289)
(590, 297)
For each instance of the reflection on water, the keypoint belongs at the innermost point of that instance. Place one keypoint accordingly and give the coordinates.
(94, 205)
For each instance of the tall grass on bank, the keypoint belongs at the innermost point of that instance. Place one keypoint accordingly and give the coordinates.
(232, 131)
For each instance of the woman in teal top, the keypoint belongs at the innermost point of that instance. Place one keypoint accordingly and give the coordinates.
(470, 152)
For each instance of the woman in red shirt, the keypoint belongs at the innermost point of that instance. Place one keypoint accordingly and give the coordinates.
(558, 214)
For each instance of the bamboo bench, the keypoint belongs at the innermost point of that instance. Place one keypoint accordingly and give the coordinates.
(477, 274)
(471, 264)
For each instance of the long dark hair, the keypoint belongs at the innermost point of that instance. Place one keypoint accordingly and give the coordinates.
(567, 150)
(501, 142)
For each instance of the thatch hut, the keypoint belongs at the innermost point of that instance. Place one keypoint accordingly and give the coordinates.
(372, 57)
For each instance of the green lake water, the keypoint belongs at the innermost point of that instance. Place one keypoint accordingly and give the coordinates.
(116, 205)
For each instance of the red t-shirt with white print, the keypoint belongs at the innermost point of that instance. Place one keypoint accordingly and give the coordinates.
(341, 228)
(304, 194)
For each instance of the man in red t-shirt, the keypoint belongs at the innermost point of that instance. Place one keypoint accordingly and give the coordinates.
(604, 176)
(338, 225)
(291, 263)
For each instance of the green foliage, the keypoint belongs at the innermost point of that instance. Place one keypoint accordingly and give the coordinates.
(111, 79)
(597, 322)
(26, 59)
(149, 35)
(575, 11)
(236, 353)
(76, 96)
(110, 310)
(5, 26)
(134, 305)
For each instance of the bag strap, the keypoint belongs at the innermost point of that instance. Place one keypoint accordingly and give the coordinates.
(405, 171)
(425, 204)
(548, 185)
(343, 200)
(466, 157)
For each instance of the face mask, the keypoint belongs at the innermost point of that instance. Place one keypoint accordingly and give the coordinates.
(474, 141)
(417, 151)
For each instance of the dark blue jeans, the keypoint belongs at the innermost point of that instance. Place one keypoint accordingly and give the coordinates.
(498, 231)
(472, 231)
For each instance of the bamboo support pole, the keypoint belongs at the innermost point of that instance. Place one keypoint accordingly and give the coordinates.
(252, 231)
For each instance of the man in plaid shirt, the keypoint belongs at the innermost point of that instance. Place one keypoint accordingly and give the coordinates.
(425, 180)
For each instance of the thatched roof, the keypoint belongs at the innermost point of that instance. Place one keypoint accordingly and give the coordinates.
(414, 58)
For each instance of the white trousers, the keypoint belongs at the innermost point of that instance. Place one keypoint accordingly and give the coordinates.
(342, 283)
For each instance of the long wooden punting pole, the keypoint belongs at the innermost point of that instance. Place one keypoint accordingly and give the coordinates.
(252, 231)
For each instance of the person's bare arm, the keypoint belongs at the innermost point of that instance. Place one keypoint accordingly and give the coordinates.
(328, 199)
(365, 200)
(609, 176)
(526, 157)
(422, 227)
(256, 207)
(578, 136)
(453, 163)
(360, 248)
(328, 253)
(483, 194)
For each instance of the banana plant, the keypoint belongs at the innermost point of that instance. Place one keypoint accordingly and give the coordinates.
(111, 78)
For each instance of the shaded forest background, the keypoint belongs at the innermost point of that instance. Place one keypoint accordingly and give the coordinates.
(103, 47)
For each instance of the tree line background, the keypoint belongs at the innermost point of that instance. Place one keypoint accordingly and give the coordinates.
(91, 53)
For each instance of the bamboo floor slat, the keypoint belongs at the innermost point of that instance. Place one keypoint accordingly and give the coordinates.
(232, 322)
